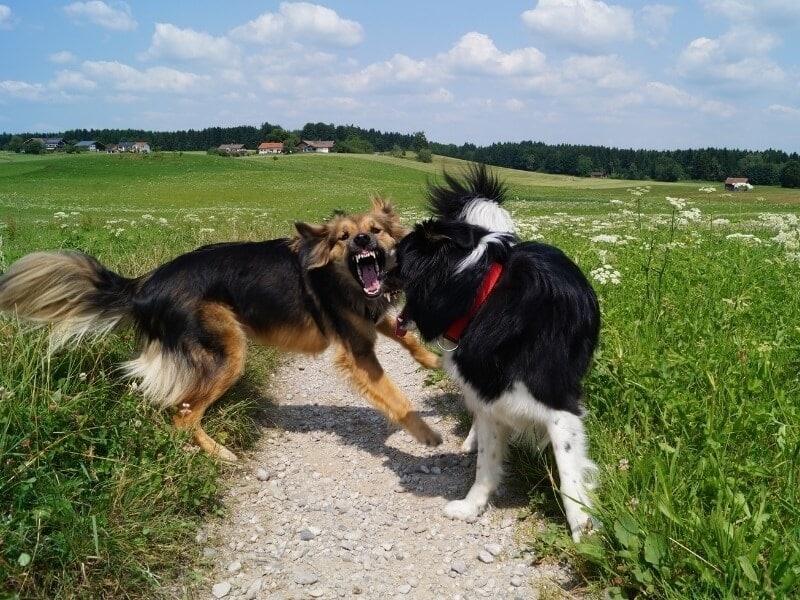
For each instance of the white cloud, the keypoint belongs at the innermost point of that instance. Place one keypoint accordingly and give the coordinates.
(186, 45)
(22, 90)
(301, 22)
(5, 17)
(61, 58)
(72, 80)
(785, 13)
(122, 77)
(99, 13)
(654, 22)
(581, 24)
(656, 94)
(476, 53)
(782, 110)
(400, 69)
(604, 71)
(737, 58)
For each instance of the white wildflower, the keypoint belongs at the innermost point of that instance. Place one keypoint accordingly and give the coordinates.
(692, 215)
(677, 203)
(606, 274)
(746, 238)
(608, 238)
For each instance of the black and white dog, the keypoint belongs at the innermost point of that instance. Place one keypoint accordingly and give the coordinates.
(522, 323)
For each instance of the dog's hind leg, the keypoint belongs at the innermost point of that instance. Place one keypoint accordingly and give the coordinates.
(369, 378)
(492, 437)
(221, 368)
(575, 469)
(430, 360)
(193, 377)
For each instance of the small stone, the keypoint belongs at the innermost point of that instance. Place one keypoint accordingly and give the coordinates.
(307, 535)
(436, 471)
(262, 474)
(493, 549)
(404, 589)
(516, 581)
(235, 566)
(253, 589)
(459, 566)
(316, 592)
(485, 557)
(222, 589)
(423, 468)
(305, 578)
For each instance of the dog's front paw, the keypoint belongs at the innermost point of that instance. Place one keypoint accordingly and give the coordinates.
(463, 510)
(586, 526)
(414, 424)
(433, 439)
(429, 360)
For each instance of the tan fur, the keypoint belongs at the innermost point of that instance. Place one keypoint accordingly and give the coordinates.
(78, 296)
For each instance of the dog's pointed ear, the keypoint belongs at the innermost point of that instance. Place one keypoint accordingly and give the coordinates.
(389, 217)
(310, 232)
(312, 245)
(382, 205)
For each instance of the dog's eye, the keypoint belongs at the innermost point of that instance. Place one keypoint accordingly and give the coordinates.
(376, 230)
(345, 235)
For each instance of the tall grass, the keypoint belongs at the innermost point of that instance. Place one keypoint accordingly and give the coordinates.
(694, 396)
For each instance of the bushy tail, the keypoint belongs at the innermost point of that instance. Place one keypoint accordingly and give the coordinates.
(68, 289)
(475, 198)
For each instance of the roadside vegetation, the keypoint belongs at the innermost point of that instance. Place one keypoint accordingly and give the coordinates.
(694, 412)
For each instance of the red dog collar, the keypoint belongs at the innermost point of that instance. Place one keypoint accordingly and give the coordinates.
(455, 330)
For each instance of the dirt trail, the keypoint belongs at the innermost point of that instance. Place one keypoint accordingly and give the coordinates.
(334, 503)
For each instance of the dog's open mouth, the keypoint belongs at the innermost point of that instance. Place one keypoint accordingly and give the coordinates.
(369, 272)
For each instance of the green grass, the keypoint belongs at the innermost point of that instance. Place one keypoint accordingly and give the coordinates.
(693, 398)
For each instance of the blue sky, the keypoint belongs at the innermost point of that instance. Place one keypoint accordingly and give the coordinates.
(721, 73)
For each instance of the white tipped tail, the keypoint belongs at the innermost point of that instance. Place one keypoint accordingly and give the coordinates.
(70, 290)
(487, 214)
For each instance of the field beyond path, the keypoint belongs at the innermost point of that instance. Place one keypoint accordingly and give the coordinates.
(335, 503)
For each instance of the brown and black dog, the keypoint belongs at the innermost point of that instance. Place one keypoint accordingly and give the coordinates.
(194, 314)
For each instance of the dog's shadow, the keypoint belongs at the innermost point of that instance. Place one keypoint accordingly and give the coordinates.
(444, 474)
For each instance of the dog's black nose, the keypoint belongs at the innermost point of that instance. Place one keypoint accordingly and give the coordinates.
(362, 239)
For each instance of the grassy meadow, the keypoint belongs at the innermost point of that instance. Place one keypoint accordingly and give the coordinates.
(694, 397)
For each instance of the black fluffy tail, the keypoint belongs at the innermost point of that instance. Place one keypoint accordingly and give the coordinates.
(70, 290)
(476, 198)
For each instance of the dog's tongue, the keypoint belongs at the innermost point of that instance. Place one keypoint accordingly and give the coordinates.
(369, 278)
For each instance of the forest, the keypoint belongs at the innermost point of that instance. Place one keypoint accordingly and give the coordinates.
(764, 167)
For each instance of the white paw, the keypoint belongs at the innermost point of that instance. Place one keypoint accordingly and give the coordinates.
(463, 510)
(471, 442)
(586, 525)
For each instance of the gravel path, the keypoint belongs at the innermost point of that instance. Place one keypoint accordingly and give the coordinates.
(334, 503)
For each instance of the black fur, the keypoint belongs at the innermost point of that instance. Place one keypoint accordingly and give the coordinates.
(539, 325)
(524, 350)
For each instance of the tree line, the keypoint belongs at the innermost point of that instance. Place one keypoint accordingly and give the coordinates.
(768, 167)
(348, 138)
